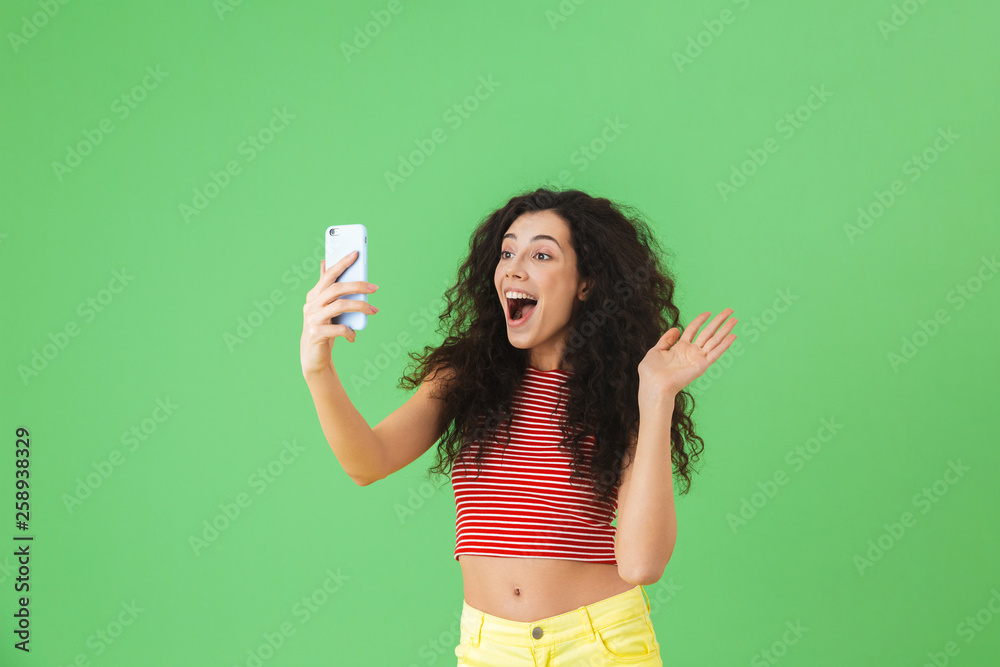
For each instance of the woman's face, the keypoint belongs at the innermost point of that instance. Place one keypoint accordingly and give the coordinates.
(537, 258)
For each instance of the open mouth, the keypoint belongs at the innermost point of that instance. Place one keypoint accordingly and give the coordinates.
(519, 310)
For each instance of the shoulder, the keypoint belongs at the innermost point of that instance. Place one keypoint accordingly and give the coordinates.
(441, 378)
(443, 368)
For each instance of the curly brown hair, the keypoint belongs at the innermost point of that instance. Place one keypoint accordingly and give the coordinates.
(629, 308)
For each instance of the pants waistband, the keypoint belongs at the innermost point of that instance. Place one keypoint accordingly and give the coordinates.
(581, 622)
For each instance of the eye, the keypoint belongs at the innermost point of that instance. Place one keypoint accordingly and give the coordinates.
(506, 252)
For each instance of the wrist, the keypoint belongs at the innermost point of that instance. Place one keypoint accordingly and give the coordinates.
(657, 401)
(311, 374)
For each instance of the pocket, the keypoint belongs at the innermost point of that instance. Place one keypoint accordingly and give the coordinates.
(462, 650)
(629, 641)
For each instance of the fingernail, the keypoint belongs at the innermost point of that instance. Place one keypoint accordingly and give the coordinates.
(373, 286)
(374, 309)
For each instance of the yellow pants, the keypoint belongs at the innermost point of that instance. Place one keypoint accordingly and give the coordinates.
(613, 631)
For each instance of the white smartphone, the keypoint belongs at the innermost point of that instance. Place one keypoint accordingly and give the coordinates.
(342, 240)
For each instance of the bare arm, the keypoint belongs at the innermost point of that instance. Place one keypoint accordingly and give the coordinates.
(366, 454)
(647, 521)
(369, 454)
(354, 443)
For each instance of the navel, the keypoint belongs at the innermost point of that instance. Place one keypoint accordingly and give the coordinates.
(517, 591)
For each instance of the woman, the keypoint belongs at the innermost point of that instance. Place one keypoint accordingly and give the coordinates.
(562, 315)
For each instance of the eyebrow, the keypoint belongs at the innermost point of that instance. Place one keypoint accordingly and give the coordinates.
(534, 238)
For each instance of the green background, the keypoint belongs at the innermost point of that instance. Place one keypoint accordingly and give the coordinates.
(822, 311)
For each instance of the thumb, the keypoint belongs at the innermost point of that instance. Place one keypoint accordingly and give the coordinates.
(669, 338)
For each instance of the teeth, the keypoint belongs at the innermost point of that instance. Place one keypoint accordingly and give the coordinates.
(519, 295)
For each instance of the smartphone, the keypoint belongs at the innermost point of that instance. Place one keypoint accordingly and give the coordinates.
(342, 240)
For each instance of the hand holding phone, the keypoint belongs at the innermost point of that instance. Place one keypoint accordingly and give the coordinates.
(337, 305)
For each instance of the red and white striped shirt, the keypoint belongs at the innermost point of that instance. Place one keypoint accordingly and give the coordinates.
(523, 504)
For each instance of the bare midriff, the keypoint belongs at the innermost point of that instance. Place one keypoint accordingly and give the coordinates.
(531, 589)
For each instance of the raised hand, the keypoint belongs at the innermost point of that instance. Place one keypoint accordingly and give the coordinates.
(678, 359)
(323, 302)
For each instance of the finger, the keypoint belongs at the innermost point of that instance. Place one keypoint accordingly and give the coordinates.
(712, 342)
(338, 268)
(692, 328)
(712, 327)
(322, 270)
(347, 332)
(717, 351)
(668, 338)
(336, 290)
(339, 306)
(331, 331)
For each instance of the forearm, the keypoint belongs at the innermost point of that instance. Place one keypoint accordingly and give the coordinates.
(352, 440)
(647, 521)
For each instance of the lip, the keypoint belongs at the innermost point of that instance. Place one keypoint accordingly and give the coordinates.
(521, 323)
(506, 305)
(524, 321)
(511, 288)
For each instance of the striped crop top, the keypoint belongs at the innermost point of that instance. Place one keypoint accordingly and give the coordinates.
(523, 503)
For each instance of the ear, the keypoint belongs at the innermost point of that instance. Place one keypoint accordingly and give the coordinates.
(584, 292)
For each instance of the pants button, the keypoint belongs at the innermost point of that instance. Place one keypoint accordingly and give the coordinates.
(536, 632)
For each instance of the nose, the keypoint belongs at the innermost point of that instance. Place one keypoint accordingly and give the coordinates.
(512, 270)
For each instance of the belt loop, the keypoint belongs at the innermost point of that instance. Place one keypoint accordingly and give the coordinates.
(587, 623)
(648, 608)
(478, 632)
